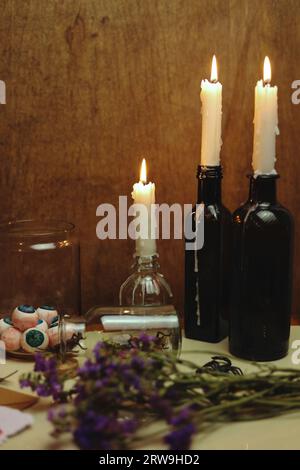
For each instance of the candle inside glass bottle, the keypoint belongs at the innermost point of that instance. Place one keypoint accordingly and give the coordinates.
(211, 99)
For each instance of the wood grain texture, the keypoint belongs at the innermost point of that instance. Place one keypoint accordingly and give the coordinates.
(94, 85)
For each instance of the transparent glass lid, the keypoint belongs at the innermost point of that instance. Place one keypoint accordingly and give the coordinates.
(27, 231)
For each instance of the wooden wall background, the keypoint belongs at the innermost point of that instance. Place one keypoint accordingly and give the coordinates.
(94, 85)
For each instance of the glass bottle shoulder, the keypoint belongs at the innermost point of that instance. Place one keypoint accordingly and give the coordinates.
(214, 212)
(268, 213)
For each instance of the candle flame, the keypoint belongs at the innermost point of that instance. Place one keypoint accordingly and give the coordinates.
(214, 70)
(143, 172)
(267, 70)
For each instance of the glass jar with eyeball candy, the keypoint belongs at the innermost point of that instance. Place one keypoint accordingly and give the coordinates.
(39, 282)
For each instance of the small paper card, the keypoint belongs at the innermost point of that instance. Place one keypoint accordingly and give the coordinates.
(12, 422)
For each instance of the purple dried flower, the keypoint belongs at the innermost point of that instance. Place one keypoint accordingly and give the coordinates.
(172, 393)
(127, 377)
(56, 390)
(180, 439)
(24, 383)
(101, 351)
(138, 363)
(57, 413)
(182, 417)
(101, 432)
(161, 406)
(42, 390)
(144, 342)
(46, 383)
(130, 378)
(44, 364)
(129, 426)
(147, 342)
(89, 369)
(52, 414)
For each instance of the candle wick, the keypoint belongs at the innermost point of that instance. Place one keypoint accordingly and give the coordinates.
(214, 80)
(267, 82)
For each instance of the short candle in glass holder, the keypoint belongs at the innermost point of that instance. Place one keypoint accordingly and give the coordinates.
(146, 288)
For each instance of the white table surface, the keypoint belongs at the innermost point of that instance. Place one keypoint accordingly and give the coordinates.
(276, 433)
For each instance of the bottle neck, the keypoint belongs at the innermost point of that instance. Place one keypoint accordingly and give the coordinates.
(209, 184)
(71, 332)
(146, 263)
(263, 189)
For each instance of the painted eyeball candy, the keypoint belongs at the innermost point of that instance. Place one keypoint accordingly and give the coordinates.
(54, 322)
(47, 313)
(11, 338)
(33, 339)
(54, 335)
(24, 317)
(42, 325)
(4, 324)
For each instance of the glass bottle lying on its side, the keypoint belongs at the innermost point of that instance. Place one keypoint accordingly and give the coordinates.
(122, 326)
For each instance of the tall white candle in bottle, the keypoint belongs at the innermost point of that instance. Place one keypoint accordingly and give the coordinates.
(211, 99)
(265, 124)
(144, 194)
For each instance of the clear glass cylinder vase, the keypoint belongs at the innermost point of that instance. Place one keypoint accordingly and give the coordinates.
(39, 280)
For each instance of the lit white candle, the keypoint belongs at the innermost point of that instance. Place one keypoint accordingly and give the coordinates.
(265, 124)
(144, 193)
(211, 99)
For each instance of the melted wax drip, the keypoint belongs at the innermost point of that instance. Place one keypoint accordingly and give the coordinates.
(197, 289)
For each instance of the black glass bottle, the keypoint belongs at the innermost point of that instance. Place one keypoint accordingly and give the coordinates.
(262, 274)
(207, 269)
